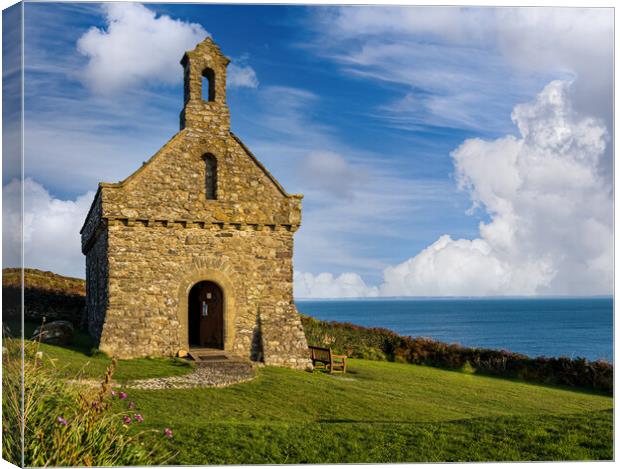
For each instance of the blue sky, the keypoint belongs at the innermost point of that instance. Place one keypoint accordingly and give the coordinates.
(384, 117)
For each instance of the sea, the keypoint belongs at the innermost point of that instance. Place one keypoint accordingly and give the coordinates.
(551, 327)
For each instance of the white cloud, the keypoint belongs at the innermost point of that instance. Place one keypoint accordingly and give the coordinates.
(51, 228)
(467, 66)
(241, 76)
(350, 193)
(550, 230)
(454, 23)
(136, 46)
(577, 40)
(330, 172)
(551, 212)
(325, 285)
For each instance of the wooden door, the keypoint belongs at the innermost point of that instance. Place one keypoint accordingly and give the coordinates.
(206, 315)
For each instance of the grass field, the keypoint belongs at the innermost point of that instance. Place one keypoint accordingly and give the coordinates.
(379, 412)
(76, 360)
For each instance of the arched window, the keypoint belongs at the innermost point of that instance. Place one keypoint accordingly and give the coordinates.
(208, 85)
(210, 177)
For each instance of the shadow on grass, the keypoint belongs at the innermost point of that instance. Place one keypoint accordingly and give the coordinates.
(479, 373)
(81, 342)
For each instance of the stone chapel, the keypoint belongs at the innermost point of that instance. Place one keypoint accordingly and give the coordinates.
(194, 250)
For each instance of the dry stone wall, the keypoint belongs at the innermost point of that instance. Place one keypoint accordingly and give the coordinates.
(149, 238)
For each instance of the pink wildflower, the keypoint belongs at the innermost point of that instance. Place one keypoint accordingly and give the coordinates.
(168, 432)
(113, 392)
(61, 421)
(138, 418)
(126, 419)
(122, 395)
(131, 405)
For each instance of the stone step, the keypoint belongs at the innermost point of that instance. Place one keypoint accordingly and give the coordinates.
(219, 359)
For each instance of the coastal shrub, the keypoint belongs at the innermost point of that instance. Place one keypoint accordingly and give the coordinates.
(65, 424)
(363, 342)
(467, 368)
(369, 353)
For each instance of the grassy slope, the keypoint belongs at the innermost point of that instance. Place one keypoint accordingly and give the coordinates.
(75, 362)
(380, 412)
(43, 280)
(75, 359)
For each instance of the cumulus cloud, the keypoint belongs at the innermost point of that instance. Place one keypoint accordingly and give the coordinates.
(50, 228)
(576, 40)
(136, 46)
(550, 228)
(325, 285)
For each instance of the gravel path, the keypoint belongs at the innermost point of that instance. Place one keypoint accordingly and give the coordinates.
(215, 375)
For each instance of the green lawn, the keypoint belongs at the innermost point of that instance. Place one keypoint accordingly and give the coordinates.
(77, 363)
(379, 412)
(76, 359)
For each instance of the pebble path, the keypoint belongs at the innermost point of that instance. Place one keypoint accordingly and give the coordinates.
(212, 375)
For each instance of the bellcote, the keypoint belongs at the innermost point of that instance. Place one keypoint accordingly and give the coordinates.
(204, 96)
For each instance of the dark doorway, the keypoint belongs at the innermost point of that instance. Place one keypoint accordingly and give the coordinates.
(206, 316)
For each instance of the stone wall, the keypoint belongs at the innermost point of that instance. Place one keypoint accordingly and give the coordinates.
(203, 115)
(97, 283)
(92, 225)
(282, 335)
(172, 187)
(147, 291)
(162, 234)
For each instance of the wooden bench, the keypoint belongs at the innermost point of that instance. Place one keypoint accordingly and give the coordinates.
(324, 359)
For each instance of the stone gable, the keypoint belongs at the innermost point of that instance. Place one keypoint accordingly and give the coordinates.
(171, 185)
(203, 212)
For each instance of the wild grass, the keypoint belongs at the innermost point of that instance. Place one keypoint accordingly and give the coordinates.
(43, 280)
(55, 423)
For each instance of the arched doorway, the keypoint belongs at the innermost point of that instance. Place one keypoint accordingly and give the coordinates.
(206, 316)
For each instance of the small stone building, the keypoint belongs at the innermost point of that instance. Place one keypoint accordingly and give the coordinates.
(194, 249)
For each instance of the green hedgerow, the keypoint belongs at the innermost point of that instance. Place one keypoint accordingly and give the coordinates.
(381, 344)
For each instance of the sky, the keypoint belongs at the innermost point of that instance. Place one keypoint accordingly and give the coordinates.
(441, 151)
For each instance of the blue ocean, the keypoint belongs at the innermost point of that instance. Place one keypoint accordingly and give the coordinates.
(552, 327)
